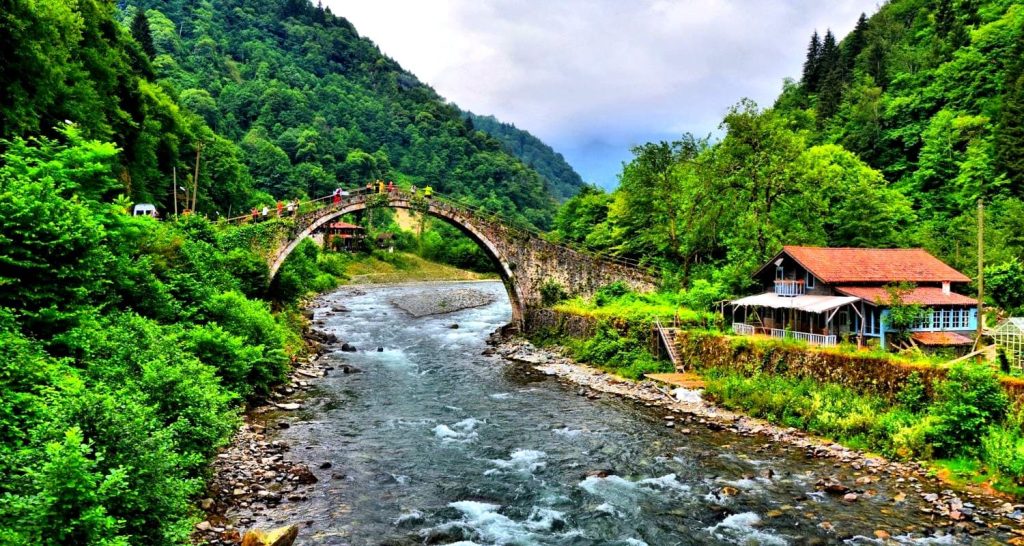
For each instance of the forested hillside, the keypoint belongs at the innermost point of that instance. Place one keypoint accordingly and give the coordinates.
(312, 105)
(563, 181)
(128, 346)
(889, 139)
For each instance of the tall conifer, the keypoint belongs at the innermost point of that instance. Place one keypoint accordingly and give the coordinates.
(810, 79)
(141, 33)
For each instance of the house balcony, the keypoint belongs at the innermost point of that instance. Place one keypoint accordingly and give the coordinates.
(821, 340)
(790, 289)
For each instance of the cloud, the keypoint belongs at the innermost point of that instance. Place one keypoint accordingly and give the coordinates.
(593, 77)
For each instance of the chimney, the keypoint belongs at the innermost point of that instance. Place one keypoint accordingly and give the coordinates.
(945, 287)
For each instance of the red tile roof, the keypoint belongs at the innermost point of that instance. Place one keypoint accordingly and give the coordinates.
(924, 295)
(344, 225)
(941, 339)
(871, 265)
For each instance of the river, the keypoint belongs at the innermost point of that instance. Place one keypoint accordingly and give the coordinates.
(435, 443)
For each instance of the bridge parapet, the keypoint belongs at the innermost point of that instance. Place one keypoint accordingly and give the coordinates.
(524, 260)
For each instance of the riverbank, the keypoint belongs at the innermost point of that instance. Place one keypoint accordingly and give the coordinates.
(958, 512)
(255, 473)
(405, 267)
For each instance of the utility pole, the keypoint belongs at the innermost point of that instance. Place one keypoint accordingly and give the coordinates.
(195, 179)
(174, 170)
(981, 271)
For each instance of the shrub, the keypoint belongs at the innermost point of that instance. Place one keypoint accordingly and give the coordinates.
(1003, 450)
(702, 295)
(607, 293)
(252, 321)
(552, 292)
(970, 400)
(913, 396)
(916, 438)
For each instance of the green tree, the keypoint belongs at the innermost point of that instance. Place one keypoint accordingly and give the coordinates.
(1005, 285)
(811, 64)
(141, 34)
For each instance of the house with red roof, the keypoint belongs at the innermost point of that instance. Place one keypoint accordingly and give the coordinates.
(823, 295)
(343, 235)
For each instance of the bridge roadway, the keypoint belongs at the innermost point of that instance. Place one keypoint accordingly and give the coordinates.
(524, 260)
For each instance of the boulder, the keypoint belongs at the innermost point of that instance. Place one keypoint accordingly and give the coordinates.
(348, 348)
(282, 536)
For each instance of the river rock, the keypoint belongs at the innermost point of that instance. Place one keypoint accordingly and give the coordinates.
(833, 486)
(454, 327)
(282, 536)
(348, 348)
(301, 474)
(290, 406)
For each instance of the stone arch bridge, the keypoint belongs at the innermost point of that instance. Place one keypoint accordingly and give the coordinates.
(523, 260)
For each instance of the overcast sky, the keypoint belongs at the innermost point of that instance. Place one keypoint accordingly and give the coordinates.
(594, 77)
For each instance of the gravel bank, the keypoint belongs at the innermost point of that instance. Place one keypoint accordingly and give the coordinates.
(959, 511)
(436, 301)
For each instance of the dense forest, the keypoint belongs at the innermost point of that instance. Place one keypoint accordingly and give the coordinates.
(276, 99)
(563, 181)
(888, 139)
(129, 346)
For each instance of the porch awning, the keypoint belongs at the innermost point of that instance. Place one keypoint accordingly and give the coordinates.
(806, 303)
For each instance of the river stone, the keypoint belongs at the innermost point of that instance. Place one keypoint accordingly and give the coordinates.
(282, 536)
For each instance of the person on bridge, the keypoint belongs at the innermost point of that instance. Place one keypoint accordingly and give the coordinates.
(291, 206)
(255, 214)
(428, 191)
(265, 211)
(336, 196)
(380, 186)
(391, 186)
(280, 208)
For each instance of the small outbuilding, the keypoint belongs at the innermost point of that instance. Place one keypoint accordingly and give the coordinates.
(1009, 336)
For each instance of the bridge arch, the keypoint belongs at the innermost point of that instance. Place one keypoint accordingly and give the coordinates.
(480, 234)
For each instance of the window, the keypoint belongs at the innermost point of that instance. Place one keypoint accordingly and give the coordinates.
(925, 322)
(961, 319)
(810, 279)
(779, 273)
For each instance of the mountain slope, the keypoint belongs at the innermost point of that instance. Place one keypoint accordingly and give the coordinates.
(313, 105)
(563, 181)
(931, 93)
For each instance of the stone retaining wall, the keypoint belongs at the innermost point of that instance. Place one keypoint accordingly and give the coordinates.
(865, 374)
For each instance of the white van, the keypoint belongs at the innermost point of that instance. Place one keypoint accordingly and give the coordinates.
(144, 209)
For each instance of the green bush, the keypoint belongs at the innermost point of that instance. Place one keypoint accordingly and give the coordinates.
(253, 322)
(1003, 450)
(606, 294)
(913, 396)
(552, 292)
(702, 295)
(624, 355)
(969, 400)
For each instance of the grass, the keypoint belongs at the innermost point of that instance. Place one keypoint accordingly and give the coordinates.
(401, 267)
(633, 306)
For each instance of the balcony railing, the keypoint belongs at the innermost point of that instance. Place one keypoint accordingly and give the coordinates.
(813, 339)
(822, 340)
(789, 288)
(743, 329)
